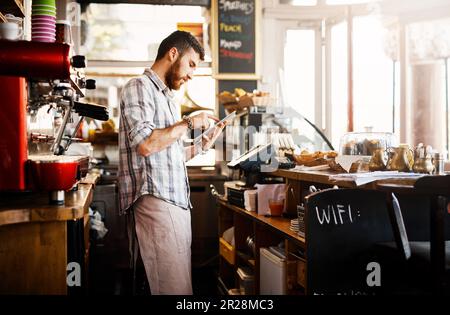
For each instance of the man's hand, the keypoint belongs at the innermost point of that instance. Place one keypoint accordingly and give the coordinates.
(209, 139)
(201, 120)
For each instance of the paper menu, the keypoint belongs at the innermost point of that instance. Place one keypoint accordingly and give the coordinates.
(365, 178)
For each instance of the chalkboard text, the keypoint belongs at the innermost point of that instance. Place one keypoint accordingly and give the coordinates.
(226, 5)
(235, 54)
(236, 44)
(337, 214)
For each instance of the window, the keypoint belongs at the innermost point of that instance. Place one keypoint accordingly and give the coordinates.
(299, 2)
(429, 50)
(341, 2)
(133, 31)
(299, 69)
(373, 89)
(339, 87)
(447, 111)
(380, 96)
(375, 94)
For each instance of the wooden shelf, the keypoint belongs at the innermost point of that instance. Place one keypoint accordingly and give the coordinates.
(266, 232)
(227, 251)
(278, 224)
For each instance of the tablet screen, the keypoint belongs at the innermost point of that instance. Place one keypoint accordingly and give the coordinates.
(229, 118)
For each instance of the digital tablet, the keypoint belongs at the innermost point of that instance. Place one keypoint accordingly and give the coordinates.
(229, 118)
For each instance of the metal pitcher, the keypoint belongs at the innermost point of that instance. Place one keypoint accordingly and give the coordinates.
(400, 159)
(378, 161)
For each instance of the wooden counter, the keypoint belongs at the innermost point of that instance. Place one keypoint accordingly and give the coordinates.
(34, 207)
(322, 177)
(34, 239)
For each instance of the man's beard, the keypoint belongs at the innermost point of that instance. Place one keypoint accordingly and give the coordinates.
(173, 77)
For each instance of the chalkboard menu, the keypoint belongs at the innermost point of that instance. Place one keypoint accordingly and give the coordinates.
(230, 85)
(236, 36)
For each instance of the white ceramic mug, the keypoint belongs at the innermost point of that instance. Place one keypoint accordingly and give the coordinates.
(10, 30)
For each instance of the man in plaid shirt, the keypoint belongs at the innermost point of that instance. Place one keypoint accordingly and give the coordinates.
(153, 181)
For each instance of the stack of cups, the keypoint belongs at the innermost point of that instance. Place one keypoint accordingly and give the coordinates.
(43, 21)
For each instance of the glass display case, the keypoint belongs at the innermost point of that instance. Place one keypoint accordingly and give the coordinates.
(365, 143)
(305, 134)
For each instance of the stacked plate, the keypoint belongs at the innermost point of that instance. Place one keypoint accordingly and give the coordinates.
(294, 225)
(43, 21)
(301, 220)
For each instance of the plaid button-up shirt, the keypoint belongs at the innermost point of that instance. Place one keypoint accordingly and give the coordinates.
(147, 104)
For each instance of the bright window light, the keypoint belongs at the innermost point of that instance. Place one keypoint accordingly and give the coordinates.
(133, 31)
(372, 76)
(299, 62)
(337, 2)
(339, 87)
(299, 2)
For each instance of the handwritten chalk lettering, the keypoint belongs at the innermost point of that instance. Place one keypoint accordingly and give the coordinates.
(246, 7)
(237, 28)
(223, 17)
(338, 214)
(234, 19)
(237, 36)
(324, 215)
(227, 44)
(374, 277)
(235, 54)
(246, 20)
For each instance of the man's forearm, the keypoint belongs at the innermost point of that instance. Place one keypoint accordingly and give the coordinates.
(162, 138)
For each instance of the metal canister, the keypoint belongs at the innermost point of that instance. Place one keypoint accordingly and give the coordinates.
(438, 161)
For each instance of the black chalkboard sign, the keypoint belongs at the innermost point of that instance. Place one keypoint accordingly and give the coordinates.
(230, 85)
(236, 36)
(342, 227)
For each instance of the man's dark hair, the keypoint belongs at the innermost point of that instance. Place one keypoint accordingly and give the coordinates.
(182, 41)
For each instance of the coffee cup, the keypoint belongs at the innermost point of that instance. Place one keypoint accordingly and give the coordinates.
(10, 31)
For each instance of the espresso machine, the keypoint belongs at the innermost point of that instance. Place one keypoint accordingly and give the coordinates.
(42, 83)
